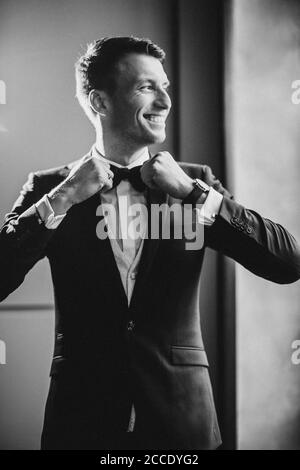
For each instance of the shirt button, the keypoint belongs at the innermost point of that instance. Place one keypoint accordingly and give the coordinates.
(133, 275)
(130, 325)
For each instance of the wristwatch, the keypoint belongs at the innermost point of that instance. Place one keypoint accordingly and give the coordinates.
(198, 193)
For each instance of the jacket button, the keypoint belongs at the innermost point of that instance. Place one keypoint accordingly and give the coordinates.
(130, 325)
(249, 230)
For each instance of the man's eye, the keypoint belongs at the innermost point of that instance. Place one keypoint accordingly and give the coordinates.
(147, 87)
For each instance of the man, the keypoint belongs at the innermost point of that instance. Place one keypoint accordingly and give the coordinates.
(129, 368)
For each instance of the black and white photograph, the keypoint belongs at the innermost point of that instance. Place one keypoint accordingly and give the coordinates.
(149, 227)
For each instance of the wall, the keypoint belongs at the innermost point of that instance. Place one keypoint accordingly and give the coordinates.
(264, 146)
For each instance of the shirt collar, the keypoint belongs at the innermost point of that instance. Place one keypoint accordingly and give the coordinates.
(139, 161)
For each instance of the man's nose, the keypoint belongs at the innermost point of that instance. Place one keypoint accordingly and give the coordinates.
(163, 99)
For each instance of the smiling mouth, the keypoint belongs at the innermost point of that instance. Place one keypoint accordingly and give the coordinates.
(155, 118)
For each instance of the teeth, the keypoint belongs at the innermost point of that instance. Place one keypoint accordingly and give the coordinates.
(155, 118)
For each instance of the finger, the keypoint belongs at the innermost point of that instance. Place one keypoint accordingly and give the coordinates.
(149, 181)
(153, 185)
(159, 154)
(146, 177)
(145, 166)
(147, 170)
(105, 163)
(154, 181)
(107, 186)
(108, 180)
(110, 173)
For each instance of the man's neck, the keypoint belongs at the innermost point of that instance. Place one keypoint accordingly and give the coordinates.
(118, 153)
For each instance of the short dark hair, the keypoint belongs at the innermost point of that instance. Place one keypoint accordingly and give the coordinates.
(96, 68)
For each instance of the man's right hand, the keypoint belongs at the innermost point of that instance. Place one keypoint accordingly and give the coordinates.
(84, 180)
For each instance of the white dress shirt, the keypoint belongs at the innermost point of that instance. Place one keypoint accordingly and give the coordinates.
(127, 250)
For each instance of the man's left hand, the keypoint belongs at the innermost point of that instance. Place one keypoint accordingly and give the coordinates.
(163, 172)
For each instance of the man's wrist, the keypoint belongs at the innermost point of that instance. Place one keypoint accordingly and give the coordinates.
(198, 194)
(188, 188)
(61, 199)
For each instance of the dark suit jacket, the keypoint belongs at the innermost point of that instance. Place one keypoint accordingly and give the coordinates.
(108, 355)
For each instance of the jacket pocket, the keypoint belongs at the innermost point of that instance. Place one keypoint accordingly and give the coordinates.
(188, 355)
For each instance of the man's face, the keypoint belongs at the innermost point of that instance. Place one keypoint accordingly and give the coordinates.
(140, 104)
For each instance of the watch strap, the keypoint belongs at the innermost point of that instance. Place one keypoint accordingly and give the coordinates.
(200, 189)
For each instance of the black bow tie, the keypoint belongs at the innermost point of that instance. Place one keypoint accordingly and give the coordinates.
(133, 176)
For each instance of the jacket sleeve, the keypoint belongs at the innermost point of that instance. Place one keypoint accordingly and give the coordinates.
(263, 247)
(23, 238)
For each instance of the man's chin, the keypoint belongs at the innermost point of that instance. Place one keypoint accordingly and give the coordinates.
(151, 138)
(157, 138)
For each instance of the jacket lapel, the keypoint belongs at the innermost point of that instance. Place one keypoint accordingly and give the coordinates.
(99, 252)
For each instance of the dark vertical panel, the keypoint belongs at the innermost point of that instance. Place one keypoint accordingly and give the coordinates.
(226, 279)
(201, 123)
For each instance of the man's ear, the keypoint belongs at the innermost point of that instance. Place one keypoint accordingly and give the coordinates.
(98, 101)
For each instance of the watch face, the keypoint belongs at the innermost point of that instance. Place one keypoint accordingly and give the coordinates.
(203, 186)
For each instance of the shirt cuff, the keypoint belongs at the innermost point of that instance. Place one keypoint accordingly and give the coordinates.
(206, 214)
(47, 215)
